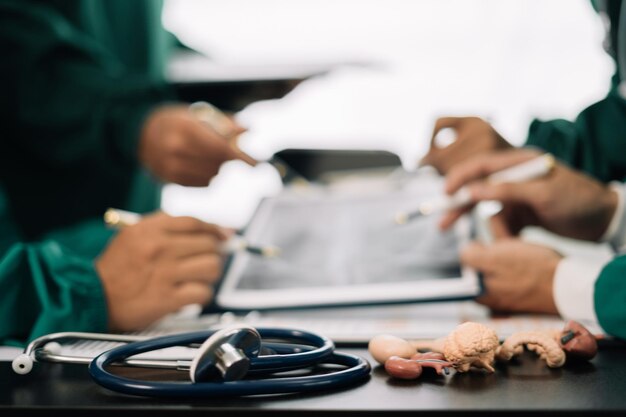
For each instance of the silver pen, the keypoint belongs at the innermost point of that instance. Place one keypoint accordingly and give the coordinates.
(116, 218)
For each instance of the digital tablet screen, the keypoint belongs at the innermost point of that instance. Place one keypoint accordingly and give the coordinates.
(338, 241)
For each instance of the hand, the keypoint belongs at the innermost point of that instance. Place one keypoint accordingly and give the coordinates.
(177, 147)
(565, 201)
(158, 266)
(517, 276)
(473, 136)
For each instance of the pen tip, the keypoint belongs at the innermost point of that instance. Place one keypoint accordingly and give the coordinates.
(271, 251)
(111, 217)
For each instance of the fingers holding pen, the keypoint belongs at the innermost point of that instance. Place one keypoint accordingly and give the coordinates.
(158, 265)
(223, 147)
(178, 147)
(480, 190)
(484, 165)
(506, 176)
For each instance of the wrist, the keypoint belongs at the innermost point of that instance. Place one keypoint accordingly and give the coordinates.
(573, 288)
(614, 203)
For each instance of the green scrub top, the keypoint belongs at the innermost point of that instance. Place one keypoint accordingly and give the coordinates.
(78, 79)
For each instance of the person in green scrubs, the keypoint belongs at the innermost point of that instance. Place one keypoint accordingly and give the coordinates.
(89, 122)
(574, 200)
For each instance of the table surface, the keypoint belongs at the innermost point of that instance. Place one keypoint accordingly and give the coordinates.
(524, 384)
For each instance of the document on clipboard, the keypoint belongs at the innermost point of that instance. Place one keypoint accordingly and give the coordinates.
(340, 246)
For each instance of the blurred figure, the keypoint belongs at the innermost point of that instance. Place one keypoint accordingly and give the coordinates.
(91, 118)
(90, 123)
(520, 276)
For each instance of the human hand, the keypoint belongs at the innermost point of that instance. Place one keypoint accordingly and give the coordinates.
(473, 136)
(179, 148)
(517, 275)
(158, 266)
(564, 201)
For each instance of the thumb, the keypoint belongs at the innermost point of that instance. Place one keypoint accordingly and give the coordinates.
(428, 159)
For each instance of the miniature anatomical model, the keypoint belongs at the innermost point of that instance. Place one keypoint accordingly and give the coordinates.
(573, 342)
(475, 345)
(540, 341)
(469, 345)
(384, 346)
(412, 368)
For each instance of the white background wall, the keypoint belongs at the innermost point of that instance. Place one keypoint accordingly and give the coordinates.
(510, 61)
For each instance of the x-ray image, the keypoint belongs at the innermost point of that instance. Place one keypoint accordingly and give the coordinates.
(336, 239)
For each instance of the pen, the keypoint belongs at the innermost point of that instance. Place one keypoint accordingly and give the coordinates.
(218, 121)
(524, 171)
(118, 219)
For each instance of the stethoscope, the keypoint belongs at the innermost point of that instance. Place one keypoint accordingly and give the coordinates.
(223, 359)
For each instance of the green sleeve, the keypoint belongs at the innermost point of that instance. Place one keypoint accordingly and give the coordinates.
(78, 78)
(610, 297)
(594, 142)
(558, 137)
(45, 288)
(69, 92)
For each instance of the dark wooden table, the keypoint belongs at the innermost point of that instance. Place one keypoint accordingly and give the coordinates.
(523, 386)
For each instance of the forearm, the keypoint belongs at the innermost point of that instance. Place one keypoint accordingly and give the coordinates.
(44, 288)
(615, 234)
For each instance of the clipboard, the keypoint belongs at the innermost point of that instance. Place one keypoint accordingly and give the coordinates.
(340, 246)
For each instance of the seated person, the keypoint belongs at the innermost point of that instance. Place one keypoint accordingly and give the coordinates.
(520, 276)
(91, 123)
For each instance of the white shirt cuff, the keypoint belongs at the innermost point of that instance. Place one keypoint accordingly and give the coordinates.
(573, 289)
(615, 233)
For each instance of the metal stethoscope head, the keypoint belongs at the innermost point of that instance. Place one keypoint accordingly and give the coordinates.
(225, 363)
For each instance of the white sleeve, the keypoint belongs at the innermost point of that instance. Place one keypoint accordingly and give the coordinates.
(573, 289)
(615, 233)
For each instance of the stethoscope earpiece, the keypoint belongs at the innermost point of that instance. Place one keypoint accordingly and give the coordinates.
(23, 364)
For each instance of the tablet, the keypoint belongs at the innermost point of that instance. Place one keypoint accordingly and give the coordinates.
(341, 246)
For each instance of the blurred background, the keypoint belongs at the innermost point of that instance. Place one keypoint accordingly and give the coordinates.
(394, 66)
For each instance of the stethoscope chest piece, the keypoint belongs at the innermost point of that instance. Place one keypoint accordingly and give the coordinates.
(226, 354)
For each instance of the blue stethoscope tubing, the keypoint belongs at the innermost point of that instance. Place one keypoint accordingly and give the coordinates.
(288, 357)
